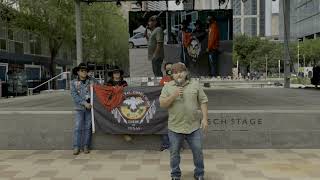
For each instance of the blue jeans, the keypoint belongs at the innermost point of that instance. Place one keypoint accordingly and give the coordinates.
(82, 129)
(184, 57)
(165, 144)
(213, 63)
(195, 143)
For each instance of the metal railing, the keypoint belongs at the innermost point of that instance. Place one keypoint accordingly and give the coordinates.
(64, 75)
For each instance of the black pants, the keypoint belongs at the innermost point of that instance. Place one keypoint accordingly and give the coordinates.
(156, 66)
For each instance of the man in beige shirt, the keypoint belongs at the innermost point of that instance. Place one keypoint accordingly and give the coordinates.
(182, 97)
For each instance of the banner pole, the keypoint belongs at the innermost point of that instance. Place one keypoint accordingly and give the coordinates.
(92, 111)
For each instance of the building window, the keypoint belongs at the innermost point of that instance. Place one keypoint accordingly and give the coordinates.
(18, 47)
(3, 71)
(10, 34)
(2, 31)
(250, 7)
(250, 25)
(35, 44)
(33, 72)
(3, 44)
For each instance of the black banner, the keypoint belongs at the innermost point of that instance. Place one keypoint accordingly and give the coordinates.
(139, 113)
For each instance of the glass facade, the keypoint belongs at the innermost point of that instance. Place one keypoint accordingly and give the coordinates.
(253, 23)
(250, 7)
(236, 6)
(250, 25)
(305, 18)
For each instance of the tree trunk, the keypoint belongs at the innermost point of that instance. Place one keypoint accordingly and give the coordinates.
(52, 69)
(54, 46)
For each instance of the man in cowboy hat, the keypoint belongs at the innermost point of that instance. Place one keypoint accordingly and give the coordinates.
(182, 98)
(80, 92)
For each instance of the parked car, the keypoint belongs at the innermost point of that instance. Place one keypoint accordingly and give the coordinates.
(137, 41)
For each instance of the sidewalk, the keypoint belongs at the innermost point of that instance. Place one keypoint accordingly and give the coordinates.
(153, 165)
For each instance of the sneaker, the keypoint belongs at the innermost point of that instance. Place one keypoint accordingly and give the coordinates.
(86, 150)
(199, 178)
(175, 178)
(76, 151)
(127, 138)
(164, 148)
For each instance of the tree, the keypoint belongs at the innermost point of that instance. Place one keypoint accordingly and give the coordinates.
(311, 50)
(243, 46)
(105, 34)
(53, 19)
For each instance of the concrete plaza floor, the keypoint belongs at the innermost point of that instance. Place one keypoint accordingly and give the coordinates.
(220, 164)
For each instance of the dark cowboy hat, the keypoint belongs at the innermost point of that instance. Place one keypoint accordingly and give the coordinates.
(115, 69)
(185, 22)
(80, 66)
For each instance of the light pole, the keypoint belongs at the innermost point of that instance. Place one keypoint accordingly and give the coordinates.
(298, 57)
(279, 65)
(78, 31)
(286, 21)
(266, 67)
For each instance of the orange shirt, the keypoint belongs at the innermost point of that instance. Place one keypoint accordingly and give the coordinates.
(164, 80)
(213, 38)
(187, 36)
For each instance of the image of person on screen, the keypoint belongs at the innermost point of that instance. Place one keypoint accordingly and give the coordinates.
(199, 32)
(213, 45)
(155, 45)
(184, 39)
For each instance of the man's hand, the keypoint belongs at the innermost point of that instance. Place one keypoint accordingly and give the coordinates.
(178, 92)
(204, 125)
(87, 106)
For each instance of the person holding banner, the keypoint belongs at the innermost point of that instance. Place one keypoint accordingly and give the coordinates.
(116, 75)
(81, 93)
(116, 79)
(213, 45)
(182, 98)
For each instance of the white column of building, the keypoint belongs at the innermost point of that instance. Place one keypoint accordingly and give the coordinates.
(258, 17)
(242, 17)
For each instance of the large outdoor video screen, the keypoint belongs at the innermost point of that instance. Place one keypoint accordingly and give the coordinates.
(201, 39)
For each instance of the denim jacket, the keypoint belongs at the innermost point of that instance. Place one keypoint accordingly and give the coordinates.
(80, 92)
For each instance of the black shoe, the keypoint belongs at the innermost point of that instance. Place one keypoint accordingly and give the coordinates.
(199, 178)
(163, 148)
(175, 178)
(86, 150)
(76, 151)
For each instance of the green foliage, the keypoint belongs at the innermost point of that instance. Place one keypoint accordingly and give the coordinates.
(53, 19)
(256, 51)
(105, 34)
(311, 50)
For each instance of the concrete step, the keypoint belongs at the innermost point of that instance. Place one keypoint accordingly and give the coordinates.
(238, 118)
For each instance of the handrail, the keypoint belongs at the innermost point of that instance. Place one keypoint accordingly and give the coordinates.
(30, 90)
